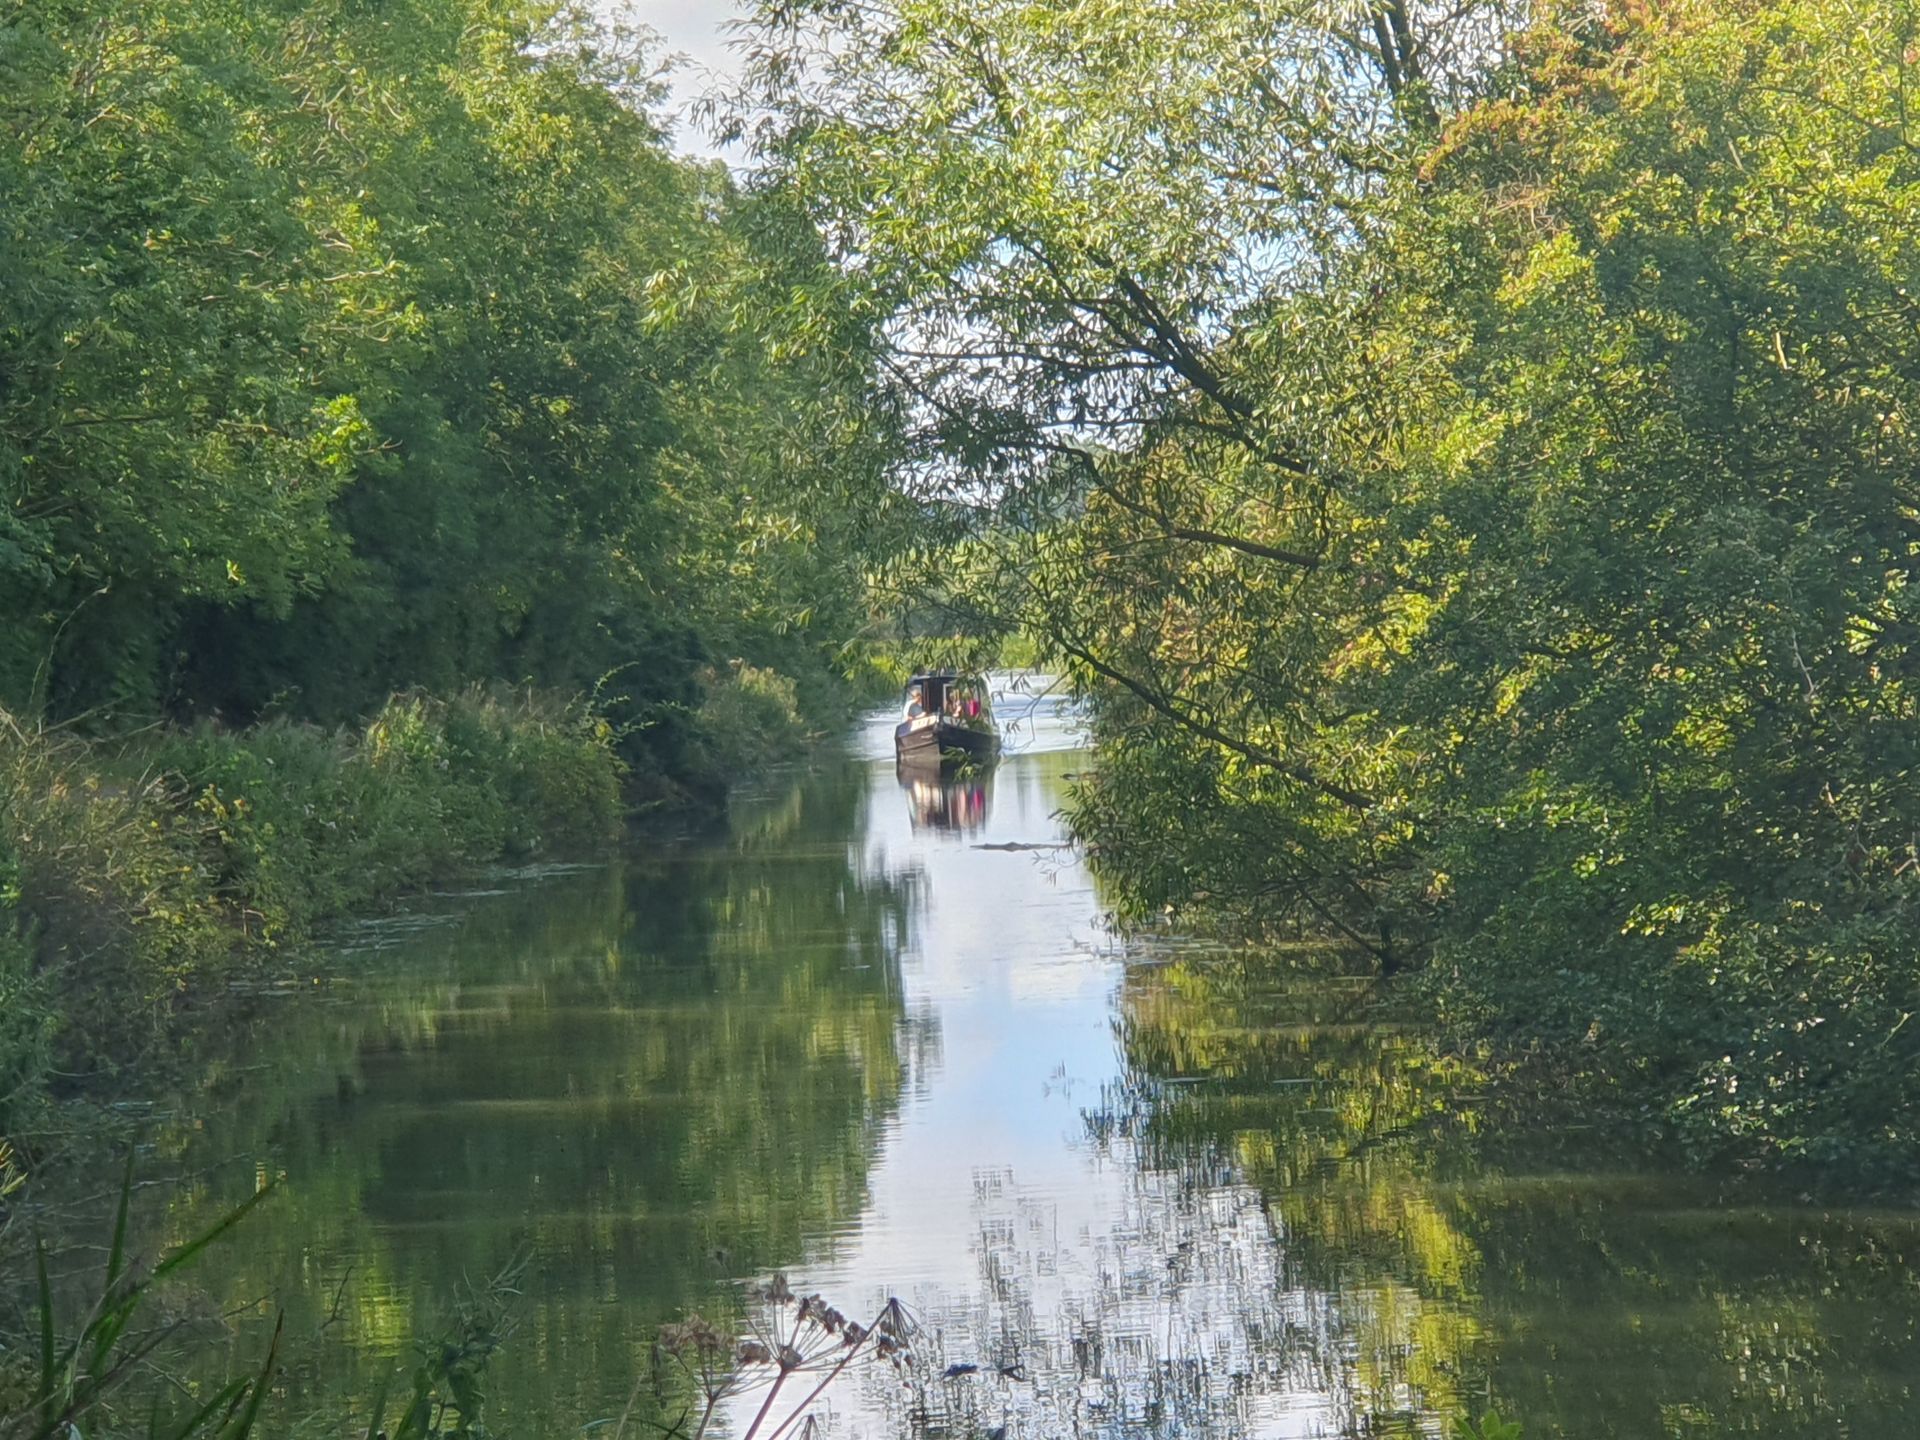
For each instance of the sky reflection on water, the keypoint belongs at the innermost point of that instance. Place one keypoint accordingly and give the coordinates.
(876, 1037)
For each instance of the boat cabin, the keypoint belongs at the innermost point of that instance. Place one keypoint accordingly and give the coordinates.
(946, 713)
(949, 694)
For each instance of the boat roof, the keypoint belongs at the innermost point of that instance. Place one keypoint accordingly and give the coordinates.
(942, 675)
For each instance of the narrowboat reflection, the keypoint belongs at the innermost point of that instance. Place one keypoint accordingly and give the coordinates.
(939, 800)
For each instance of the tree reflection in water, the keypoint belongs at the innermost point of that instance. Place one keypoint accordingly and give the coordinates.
(653, 1076)
(1430, 1260)
(1152, 1188)
(1322, 1233)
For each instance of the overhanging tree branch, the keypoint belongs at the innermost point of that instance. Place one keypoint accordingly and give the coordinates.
(1213, 537)
(1258, 755)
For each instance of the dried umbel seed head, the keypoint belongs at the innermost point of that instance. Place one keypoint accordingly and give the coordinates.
(752, 1352)
(893, 1322)
(854, 1333)
(790, 1358)
(692, 1336)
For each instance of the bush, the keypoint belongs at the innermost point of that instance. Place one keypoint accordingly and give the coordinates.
(26, 1030)
(129, 878)
(307, 822)
(750, 717)
(110, 906)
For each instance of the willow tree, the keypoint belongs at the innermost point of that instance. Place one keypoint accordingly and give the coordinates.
(1103, 239)
(1477, 490)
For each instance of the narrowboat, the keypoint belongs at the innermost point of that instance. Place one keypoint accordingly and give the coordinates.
(948, 719)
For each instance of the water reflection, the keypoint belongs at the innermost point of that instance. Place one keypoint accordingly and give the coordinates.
(1152, 1188)
(1472, 1262)
(652, 1076)
(938, 800)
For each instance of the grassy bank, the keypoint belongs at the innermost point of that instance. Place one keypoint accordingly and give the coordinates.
(139, 878)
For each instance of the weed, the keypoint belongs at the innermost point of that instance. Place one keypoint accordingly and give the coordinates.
(804, 1344)
(73, 1380)
(134, 875)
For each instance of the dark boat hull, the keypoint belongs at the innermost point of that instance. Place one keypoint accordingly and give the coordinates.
(944, 743)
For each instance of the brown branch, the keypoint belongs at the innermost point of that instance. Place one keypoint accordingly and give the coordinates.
(1266, 759)
(1215, 537)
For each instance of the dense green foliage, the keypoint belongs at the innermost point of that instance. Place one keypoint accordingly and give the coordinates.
(1466, 454)
(353, 348)
(355, 351)
(1474, 476)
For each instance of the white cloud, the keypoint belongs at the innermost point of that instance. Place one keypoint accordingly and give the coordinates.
(694, 30)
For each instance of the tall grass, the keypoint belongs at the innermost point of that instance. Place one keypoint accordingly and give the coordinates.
(70, 1373)
(78, 1373)
(301, 823)
(138, 875)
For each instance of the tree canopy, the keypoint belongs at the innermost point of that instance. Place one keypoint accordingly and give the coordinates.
(347, 348)
(1467, 458)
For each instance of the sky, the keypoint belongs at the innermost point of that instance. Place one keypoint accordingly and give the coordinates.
(692, 28)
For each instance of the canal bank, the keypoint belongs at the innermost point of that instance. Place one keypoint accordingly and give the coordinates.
(877, 1038)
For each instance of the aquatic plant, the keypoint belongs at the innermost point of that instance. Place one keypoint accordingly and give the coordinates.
(446, 1388)
(68, 1382)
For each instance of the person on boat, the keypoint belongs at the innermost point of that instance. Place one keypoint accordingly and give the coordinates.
(916, 704)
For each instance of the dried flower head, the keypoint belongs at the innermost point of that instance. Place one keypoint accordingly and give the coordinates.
(695, 1342)
(893, 1322)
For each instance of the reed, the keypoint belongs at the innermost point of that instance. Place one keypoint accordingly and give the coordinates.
(74, 1379)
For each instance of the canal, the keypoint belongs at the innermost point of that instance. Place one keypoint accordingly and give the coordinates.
(876, 1037)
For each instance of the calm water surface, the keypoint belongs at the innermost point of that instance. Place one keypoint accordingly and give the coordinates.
(1173, 1190)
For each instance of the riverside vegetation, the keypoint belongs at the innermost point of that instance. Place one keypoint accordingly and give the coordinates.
(1464, 454)
(404, 457)
(1467, 457)
(141, 878)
